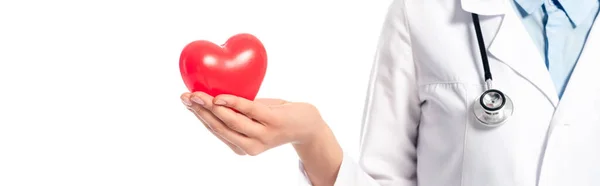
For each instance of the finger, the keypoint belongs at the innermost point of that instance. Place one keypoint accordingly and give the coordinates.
(233, 147)
(238, 122)
(237, 150)
(221, 128)
(196, 110)
(255, 110)
(185, 99)
(232, 120)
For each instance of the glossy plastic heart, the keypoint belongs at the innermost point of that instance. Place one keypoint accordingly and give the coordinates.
(237, 67)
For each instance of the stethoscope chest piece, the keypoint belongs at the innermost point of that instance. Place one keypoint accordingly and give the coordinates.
(493, 108)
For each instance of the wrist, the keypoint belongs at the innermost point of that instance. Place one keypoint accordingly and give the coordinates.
(320, 132)
(321, 156)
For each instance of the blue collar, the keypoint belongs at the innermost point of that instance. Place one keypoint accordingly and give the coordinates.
(576, 10)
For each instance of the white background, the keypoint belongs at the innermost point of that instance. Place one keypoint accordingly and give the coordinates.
(89, 90)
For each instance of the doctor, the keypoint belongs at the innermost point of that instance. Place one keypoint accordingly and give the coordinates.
(427, 121)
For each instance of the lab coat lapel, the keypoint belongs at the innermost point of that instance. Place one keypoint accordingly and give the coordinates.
(580, 96)
(512, 45)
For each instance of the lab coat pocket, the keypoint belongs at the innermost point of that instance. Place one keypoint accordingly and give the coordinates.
(441, 133)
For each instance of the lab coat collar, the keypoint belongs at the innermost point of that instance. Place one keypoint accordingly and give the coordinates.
(511, 44)
(485, 7)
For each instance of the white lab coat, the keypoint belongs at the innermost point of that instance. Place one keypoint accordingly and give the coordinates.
(419, 127)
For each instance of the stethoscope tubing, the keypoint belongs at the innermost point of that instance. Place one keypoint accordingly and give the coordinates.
(482, 50)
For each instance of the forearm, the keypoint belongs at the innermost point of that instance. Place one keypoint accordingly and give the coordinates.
(321, 157)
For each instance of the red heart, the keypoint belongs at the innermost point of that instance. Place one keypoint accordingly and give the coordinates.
(237, 67)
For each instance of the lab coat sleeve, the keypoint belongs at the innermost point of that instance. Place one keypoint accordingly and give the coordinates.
(392, 113)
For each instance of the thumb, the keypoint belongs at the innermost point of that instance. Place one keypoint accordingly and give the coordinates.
(271, 101)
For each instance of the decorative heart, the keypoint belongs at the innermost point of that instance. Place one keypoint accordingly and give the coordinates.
(237, 67)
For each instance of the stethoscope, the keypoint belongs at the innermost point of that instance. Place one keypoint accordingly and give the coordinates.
(493, 107)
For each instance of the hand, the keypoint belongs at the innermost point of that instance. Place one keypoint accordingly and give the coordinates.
(258, 125)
